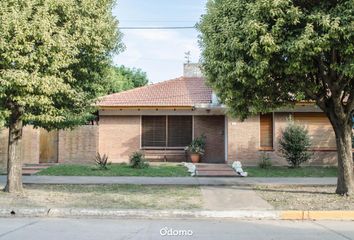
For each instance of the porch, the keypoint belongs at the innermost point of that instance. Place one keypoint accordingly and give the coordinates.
(164, 138)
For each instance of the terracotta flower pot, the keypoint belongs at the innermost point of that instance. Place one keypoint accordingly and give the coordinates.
(195, 157)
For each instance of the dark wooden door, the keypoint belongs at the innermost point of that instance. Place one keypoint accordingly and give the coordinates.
(48, 146)
(213, 127)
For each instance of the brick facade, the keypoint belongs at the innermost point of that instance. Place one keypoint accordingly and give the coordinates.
(79, 145)
(119, 137)
(244, 142)
(30, 145)
(75, 146)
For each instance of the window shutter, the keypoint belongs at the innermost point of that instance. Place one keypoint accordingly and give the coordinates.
(266, 134)
(154, 131)
(179, 131)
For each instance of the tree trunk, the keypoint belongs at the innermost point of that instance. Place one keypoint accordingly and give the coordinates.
(14, 161)
(345, 181)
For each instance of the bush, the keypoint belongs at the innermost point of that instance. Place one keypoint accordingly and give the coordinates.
(137, 160)
(265, 161)
(294, 144)
(102, 161)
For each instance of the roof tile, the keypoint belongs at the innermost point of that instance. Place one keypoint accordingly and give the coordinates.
(182, 91)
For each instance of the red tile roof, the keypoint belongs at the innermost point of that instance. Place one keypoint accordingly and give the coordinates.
(182, 91)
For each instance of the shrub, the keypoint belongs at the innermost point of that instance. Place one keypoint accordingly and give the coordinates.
(102, 161)
(294, 144)
(137, 160)
(265, 161)
(197, 145)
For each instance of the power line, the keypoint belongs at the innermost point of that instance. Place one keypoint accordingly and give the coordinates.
(153, 28)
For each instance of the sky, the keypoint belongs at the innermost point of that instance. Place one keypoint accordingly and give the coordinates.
(160, 53)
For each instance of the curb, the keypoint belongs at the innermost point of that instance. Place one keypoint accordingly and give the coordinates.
(178, 214)
(143, 214)
(317, 215)
(23, 212)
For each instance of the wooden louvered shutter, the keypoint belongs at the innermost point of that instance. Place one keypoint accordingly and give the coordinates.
(153, 131)
(179, 131)
(266, 134)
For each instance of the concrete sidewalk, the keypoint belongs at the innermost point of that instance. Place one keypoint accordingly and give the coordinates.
(231, 198)
(201, 181)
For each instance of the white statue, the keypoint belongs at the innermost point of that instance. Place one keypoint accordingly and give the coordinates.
(191, 168)
(237, 166)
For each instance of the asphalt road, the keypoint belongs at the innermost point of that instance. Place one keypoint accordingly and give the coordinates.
(80, 229)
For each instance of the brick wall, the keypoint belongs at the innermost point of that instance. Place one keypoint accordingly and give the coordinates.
(79, 145)
(30, 147)
(119, 137)
(244, 142)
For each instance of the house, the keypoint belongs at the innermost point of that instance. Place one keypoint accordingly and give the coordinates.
(161, 119)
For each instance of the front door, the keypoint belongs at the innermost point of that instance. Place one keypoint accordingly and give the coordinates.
(48, 146)
(213, 127)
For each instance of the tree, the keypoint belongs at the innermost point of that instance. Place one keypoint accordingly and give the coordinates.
(53, 56)
(121, 78)
(261, 55)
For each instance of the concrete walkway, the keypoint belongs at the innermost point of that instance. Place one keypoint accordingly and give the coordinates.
(215, 181)
(229, 198)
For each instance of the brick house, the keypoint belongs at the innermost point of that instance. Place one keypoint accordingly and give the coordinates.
(162, 118)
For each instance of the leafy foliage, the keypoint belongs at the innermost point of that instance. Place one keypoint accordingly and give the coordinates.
(265, 161)
(121, 78)
(197, 145)
(294, 144)
(261, 55)
(53, 58)
(137, 160)
(102, 161)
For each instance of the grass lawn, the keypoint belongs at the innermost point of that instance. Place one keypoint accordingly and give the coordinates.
(305, 198)
(105, 196)
(161, 170)
(291, 172)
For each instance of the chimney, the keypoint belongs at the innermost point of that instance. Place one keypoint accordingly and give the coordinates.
(192, 70)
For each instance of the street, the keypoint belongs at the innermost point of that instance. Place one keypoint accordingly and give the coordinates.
(82, 229)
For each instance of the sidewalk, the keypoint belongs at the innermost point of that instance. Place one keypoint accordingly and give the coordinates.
(232, 198)
(199, 181)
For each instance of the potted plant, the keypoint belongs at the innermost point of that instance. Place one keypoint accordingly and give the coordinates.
(197, 148)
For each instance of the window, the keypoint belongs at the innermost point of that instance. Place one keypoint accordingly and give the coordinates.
(166, 131)
(266, 128)
(179, 131)
(153, 131)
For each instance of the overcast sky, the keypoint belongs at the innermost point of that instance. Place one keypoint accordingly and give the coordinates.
(160, 53)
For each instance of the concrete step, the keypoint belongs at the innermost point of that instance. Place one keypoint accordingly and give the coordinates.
(29, 172)
(29, 169)
(216, 174)
(39, 164)
(215, 170)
